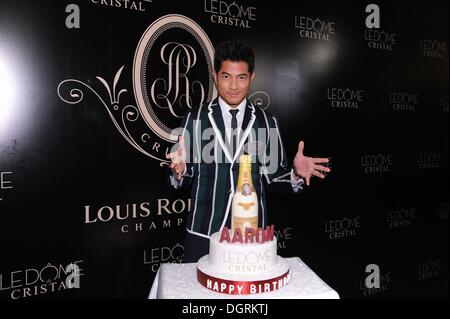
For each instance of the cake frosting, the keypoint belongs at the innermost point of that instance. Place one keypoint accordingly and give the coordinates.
(242, 257)
(241, 266)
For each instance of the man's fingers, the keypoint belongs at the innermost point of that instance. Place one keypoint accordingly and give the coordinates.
(315, 173)
(308, 177)
(181, 140)
(322, 168)
(181, 148)
(181, 145)
(320, 160)
(179, 172)
(179, 169)
(172, 155)
(301, 147)
(175, 157)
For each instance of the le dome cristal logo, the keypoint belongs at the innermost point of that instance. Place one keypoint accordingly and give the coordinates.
(428, 269)
(165, 254)
(315, 28)
(376, 37)
(434, 48)
(231, 14)
(29, 282)
(403, 101)
(377, 163)
(345, 98)
(429, 160)
(341, 228)
(401, 217)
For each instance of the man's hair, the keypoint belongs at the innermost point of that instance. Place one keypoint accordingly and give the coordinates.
(235, 51)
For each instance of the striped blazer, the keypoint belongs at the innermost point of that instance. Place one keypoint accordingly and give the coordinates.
(212, 168)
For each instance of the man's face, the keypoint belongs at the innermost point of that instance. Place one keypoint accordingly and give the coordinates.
(233, 81)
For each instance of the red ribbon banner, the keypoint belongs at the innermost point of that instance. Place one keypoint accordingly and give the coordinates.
(232, 287)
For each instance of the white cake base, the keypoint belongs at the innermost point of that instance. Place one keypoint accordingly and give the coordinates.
(238, 283)
(242, 258)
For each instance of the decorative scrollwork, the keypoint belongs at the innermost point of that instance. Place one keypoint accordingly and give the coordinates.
(260, 99)
(121, 116)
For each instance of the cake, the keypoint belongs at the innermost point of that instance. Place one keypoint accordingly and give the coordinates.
(243, 260)
(240, 267)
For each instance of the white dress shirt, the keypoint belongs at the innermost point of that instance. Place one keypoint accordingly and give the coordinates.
(226, 115)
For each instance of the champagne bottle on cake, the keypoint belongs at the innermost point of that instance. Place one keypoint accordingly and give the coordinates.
(244, 211)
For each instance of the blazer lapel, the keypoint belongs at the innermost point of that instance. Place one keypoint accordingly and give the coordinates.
(247, 124)
(216, 119)
(247, 117)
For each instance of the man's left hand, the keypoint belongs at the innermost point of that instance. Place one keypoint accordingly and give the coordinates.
(306, 166)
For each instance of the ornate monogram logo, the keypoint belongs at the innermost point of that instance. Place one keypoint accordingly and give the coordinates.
(170, 76)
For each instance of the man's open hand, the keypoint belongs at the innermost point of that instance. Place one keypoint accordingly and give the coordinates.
(306, 166)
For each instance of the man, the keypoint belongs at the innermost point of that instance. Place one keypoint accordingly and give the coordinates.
(213, 137)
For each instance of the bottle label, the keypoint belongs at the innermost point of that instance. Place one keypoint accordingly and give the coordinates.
(245, 222)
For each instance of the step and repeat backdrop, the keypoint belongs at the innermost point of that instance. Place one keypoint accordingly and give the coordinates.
(90, 91)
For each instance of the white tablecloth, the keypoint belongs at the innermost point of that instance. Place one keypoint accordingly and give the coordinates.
(179, 281)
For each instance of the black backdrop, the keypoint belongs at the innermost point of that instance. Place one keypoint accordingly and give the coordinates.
(75, 188)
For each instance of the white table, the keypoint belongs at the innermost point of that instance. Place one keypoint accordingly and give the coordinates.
(179, 281)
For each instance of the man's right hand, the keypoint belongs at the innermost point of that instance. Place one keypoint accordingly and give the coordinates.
(178, 159)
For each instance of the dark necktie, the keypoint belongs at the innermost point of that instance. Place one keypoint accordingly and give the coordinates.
(234, 130)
